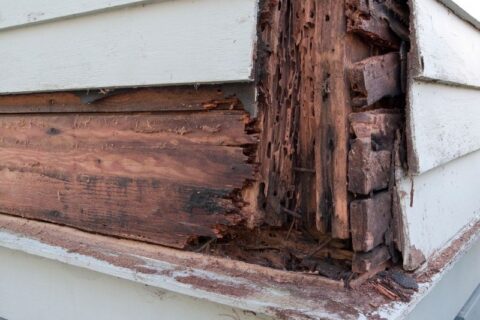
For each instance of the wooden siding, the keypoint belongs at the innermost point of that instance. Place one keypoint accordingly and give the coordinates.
(438, 205)
(437, 199)
(166, 177)
(161, 43)
(20, 13)
(444, 124)
(466, 9)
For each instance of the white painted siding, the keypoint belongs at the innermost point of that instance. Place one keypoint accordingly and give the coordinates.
(443, 122)
(445, 200)
(163, 43)
(467, 9)
(25, 12)
(449, 46)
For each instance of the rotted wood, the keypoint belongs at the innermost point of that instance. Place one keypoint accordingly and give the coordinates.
(165, 178)
(181, 98)
(334, 52)
(370, 219)
(368, 170)
(375, 78)
(370, 156)
(278, 110)
(304, 104)
(364, 262)
(377, 22)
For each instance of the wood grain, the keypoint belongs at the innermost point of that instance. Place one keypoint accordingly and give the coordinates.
(179, 98)
(335, 52)
(165, 177)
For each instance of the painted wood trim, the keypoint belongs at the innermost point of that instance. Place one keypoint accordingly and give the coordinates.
(162, 43)
(438, 205)
(466, 9)
(280, 294)
(20, 13)
(58, 291)
(448, 46)
(442, 123)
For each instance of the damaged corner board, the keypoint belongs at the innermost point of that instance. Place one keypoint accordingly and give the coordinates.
(306, 187)
(167, 176)
(331, 81)
(377, 86)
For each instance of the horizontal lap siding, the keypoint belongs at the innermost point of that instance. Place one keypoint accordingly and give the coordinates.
(166, 177)
(159, 43)
(18, 13)
(444, 95)
(438, 200)
(449, 47)
(444, 123)
(466, 9)
(438, 204)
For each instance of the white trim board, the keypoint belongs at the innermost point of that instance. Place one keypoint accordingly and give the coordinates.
(448, 46)
(445, 201)
(466, 9)
(443, 124)
(58, 291)
(19, 13)
(162, 43)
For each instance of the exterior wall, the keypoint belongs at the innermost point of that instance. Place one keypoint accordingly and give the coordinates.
(154, 43)
(437, 197)
(36, 288)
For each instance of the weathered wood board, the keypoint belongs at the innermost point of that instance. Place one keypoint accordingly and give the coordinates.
(21, 13)
(159, 43)
(163, 177)
(448, 46)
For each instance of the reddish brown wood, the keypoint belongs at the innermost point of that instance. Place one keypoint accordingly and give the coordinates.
(165, 178)
(369, 20)
(182, 98)
(370, 156)
(375, 78)
(370, 219)
(368, 170)
(364, 262)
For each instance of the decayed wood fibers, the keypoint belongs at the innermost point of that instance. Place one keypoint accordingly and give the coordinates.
(165, 177)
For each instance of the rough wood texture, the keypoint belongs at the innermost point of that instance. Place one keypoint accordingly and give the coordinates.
(370, 219)
(182, 98)
(368, 19)
(375, 78)
(370, 156)
(304, 105)
(161, 177)
(368, 170)
(335, 52)
(364, 262)
(376, 83)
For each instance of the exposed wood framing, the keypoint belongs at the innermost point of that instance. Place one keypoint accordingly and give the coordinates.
(165, 177)
(377, 85)
(304, 106)
(322, 63)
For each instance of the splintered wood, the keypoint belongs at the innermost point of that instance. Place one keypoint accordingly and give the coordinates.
(183, 167)
(377, 85)
(331, 96)
(160, 177)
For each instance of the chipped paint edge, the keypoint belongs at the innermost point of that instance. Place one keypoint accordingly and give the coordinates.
(398, 310)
